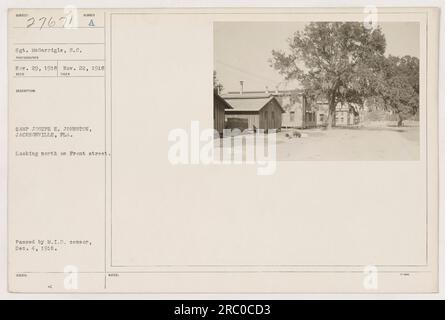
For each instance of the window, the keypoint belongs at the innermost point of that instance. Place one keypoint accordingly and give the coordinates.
(292, 116)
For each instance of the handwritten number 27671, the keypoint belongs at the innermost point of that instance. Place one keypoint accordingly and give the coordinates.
(48, 22)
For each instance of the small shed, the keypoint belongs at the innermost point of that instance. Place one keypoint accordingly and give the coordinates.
(262, 111)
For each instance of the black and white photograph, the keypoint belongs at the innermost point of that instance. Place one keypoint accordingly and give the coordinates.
(329, 90)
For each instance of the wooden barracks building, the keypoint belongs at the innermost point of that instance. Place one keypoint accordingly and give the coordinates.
(255, 111)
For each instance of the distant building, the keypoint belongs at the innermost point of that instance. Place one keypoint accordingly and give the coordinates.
(322, 113)
(298, 112)
(346, 114)
(261, 110)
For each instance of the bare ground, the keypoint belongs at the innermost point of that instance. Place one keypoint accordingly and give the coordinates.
(371, 142)
(378, 141)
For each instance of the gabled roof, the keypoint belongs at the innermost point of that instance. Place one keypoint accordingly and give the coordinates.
(249, 102)
(216, 96)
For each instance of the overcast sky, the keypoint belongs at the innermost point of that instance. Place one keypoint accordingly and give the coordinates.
(242, 50)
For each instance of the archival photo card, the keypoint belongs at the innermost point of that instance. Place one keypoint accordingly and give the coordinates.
(223, 150)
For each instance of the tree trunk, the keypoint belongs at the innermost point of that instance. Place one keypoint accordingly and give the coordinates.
(331, 115)
(400, 121)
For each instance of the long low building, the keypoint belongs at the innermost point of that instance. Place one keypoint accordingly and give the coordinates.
(258, 111)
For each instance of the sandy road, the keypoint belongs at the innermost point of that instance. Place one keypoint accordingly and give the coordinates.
(351, 144)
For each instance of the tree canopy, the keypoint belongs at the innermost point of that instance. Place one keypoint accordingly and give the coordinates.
(398, 86)
(345, 62)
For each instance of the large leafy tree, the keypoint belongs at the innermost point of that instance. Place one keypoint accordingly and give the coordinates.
(335, 61)
(398, 86)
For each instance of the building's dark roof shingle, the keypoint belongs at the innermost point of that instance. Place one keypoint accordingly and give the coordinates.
(249, 102)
